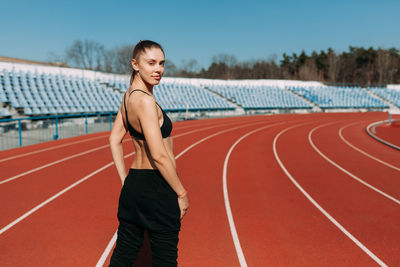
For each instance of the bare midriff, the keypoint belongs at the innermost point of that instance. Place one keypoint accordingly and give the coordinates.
(143, 159)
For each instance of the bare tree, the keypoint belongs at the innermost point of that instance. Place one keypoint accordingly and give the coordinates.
(170, 68)
(308, 71)
(190, 65)
(85, 54)
(109, 61)
(333, 65)
(123, 56)
(226, 63)
(227, 59)
(383, 63)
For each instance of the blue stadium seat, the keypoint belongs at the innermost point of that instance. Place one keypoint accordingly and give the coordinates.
(40, 93)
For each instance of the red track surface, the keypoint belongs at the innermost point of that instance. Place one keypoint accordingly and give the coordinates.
(276, 224)
(390, 132)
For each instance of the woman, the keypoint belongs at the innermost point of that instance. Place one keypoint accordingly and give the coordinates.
(152, 196)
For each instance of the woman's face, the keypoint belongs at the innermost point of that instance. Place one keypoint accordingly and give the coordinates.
(150, 65)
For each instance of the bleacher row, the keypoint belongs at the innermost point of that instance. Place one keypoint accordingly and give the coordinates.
(258, 97)
(339, 97)
(391, 94)
(42, 93)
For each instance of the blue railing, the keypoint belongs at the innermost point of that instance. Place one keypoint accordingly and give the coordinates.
(19, 132)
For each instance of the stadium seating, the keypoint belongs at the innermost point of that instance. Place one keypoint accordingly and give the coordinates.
(180, 96)
(41, 94)
(256, 97)
(392, 95)
(339, 97)
(37, 91)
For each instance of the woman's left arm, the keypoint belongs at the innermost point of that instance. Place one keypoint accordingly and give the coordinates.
(117, 135)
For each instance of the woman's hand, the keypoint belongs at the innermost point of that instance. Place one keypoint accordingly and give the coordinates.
(183, 205)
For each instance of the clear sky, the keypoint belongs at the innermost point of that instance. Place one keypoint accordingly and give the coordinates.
(199, 29)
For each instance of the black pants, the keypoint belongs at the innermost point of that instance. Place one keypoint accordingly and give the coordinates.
(148, 202)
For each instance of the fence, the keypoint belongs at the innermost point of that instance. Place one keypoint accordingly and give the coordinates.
(32, 130)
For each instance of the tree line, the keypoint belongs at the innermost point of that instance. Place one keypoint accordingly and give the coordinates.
(358, 65)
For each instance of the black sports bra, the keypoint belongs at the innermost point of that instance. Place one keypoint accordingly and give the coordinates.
(166, 127)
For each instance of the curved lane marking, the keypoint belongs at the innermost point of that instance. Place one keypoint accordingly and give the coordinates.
(343, 169)
(86, 152)
(75, 184)
(110, 244)
(324, 212)
(232, 227)
(362, 151)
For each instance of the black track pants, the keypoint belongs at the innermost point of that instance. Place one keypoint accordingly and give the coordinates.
(147, 201)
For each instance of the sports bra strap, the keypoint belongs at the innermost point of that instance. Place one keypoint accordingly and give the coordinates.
(166, 127)
(143, 92)
(126, 112)
(138, 90)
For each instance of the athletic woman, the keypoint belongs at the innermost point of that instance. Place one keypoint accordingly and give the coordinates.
(152, 196)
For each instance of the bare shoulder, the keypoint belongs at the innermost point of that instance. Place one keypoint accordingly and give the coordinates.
(145, 107)
(140, 100)
(145, 102)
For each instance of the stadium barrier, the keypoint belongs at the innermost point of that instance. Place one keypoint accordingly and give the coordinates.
(370, 129)
(20, 132)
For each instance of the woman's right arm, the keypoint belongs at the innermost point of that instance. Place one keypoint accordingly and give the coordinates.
(117, 135)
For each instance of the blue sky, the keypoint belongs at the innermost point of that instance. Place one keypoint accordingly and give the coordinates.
(199, 29)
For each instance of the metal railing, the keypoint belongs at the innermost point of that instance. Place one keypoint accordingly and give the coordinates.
(20, 132)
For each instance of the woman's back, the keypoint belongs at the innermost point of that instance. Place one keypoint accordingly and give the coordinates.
(143, 159)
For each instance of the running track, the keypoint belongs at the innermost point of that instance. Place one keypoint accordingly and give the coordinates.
(282, 190)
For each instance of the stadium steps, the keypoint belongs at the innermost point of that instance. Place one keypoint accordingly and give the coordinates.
(7, 110)
(315, 107)
(239, 108)
(392, 105)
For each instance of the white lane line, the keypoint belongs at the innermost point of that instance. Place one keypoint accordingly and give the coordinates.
(72, 186)
(60, 193)
(51, 148)
(108, 249)
(373, 135)
(232, 227)
(206, 128)
(215, 134)
(56, 195)
(343, 169)
(110, 245)
(67, 144)
(86, 152)
(324, 212)
(197, 124)
(54, 162)
(362, 151)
